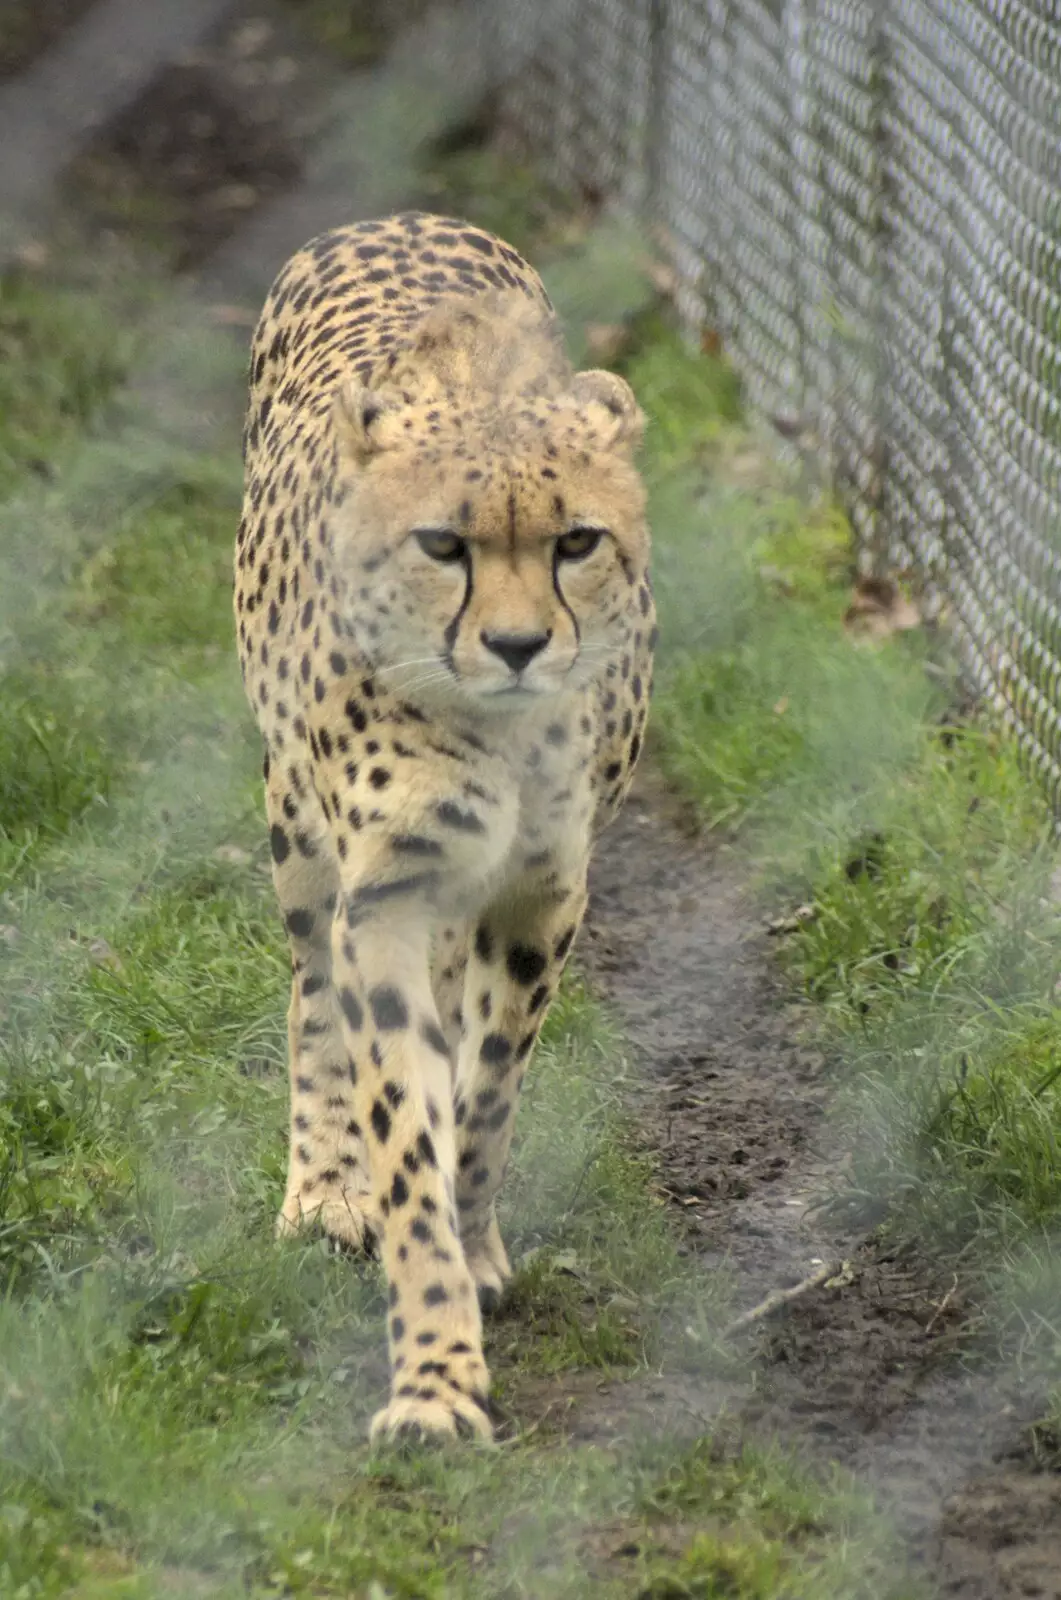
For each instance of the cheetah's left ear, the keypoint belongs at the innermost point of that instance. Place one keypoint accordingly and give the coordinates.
(611, 399)
(365, 420)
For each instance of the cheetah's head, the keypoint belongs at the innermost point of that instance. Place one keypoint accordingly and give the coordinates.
(493, 542)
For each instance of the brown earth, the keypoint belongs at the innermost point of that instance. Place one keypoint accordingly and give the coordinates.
(873, 1370)
(29, 27)
(214, 136)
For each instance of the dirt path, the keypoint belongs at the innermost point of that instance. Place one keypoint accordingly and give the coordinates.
(734, 1101)
(866, 1373)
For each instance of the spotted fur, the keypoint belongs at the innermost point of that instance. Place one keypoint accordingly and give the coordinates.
(445, 629)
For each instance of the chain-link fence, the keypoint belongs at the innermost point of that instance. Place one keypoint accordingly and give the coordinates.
(863, 197)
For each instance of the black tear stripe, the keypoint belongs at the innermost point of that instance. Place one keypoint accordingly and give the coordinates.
(511, 512)
(563, 602)
(453, 626)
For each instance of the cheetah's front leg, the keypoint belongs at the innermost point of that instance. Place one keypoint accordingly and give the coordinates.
(518, 955)
(402, 1084)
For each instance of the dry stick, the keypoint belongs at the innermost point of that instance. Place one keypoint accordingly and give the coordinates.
(941, 1308)
(783, 1297)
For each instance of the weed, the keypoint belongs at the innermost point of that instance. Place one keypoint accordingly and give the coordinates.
(62, 354)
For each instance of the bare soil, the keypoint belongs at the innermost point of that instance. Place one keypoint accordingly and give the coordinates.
(877, 1370)
(29, 27)
(212, 138)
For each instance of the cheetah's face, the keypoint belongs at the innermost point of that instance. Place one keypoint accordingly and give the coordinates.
(495, 564)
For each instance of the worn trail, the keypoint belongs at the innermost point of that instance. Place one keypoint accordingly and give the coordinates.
(865, 1370)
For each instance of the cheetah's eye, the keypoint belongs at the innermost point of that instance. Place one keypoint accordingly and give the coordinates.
(440, 544)
(578, 544)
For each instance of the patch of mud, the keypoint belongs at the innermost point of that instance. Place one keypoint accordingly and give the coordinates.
(212, 138)
(733, 1095)
(29, 27)
(1001, 1538)
(871, 1369)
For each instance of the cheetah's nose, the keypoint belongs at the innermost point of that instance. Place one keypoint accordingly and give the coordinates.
(516, 649)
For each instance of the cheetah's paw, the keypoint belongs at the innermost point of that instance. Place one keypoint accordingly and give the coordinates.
(343, 1218)
(432, 1414)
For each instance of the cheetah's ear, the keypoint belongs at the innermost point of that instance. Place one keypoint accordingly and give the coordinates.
(365, 420)
(610, 400)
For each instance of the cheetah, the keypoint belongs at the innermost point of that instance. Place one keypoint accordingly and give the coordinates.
(446, 631)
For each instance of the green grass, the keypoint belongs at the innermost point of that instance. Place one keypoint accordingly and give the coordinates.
(356, 32)
(62, 353)
(506, 197)
(183, 1403)
(910, 837)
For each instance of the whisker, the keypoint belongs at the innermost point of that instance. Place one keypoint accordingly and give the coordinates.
(401, 666)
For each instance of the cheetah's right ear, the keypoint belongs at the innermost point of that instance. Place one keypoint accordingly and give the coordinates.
(365, 420)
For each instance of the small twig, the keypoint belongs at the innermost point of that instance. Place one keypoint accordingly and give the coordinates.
(941, 1308)
(783, 1297)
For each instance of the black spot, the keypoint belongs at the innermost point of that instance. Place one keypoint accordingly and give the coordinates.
(399, 1190)
(397, 1329)
(426, 1147)
(525, 964)
(379, 777)
(484, 944)
(436, 1294)
(389, 1010)
(352, 1011)
(381, 1121)
(432, 1034)
(313, 983)
(451, 815)
(300, 923)
(279, 843)
(556, 733)
(495, 1050)
(564, 944)
(375, 894)
(416, 844)
(539, 997)
(422, 1231)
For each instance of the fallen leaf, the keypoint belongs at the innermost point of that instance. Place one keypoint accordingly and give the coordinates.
(232, 853)
(879, 608)
(794, 921)
(662, 278)
(606, 342)
(103, 956)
